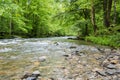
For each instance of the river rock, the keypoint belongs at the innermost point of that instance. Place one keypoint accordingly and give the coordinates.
(36, 63)
(118, 71)
(78, 79)
(56, 43)
(102, 73)
(35, 74)
(114, 61)
(26, 75)
(105, 63)
(66, 55)
(116, 57)
(13, 57)
(31, 78)
(118, 66)
(111, 71)
(71, 47)
(42, 58)
(111, 66)
(51, 78)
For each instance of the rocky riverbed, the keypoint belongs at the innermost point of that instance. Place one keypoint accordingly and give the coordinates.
(51, 59)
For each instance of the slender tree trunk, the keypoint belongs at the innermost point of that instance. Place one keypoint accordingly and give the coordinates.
(86, 25)
(107, 5)
(114, 21)
(93, 18)
(105, 21)
(109, 11)
(10, 28)
(109, 8)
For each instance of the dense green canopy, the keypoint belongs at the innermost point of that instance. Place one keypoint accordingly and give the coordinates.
(93, 20)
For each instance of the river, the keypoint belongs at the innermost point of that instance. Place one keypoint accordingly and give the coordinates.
(21, 56)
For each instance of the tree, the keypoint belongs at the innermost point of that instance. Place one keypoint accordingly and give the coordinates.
(107, 5)
(114, 20)
(93, 18)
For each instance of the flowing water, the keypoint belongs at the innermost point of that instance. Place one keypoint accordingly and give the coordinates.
(18, 56)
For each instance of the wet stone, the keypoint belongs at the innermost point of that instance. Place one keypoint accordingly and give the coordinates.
(118, 71)
(79, 53)
(116, 57)
(31, 78)
(111, 66)
(70, 77)
(115, 77)
(111, 71)
(114, 61)
(106, 78)
(51, 78)
(110, 56)
(42, 58)
(71, 47)
(66, 55)
(36, 73)
(79, 79)
(26, 75)
(102, 73)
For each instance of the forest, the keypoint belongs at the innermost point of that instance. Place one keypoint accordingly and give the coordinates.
(97, 21)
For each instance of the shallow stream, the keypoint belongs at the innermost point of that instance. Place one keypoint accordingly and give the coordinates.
(20, 56)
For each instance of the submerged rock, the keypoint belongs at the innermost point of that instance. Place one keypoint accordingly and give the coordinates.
(66, 55)
(36, 63)
(42, 58)
(72, 47)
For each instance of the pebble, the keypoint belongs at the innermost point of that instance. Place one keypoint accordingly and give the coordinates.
(36, 73)
(66, 55)
(42, 58)
(26, 75)
(102, 73)
(118, 71)
(71, 47)
(111, 71)
(116, 57)
(111, 66)
(114, 61)
(31, 78)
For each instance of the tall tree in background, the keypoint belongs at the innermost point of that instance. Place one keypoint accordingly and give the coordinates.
(93, 18)
(114, 20)
(107, 5)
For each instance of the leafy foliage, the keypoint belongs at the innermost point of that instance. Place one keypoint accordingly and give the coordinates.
(42, 18)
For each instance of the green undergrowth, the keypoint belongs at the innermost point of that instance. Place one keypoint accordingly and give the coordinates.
(108, 40)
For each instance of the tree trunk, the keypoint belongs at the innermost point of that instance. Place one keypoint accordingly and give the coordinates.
(93, 19)
(109, 11)
(114, 21)
(105, 22)
(107, 5)
(10, 28)
(86, 25)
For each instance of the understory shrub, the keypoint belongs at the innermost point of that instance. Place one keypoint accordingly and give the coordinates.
(109, 40)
